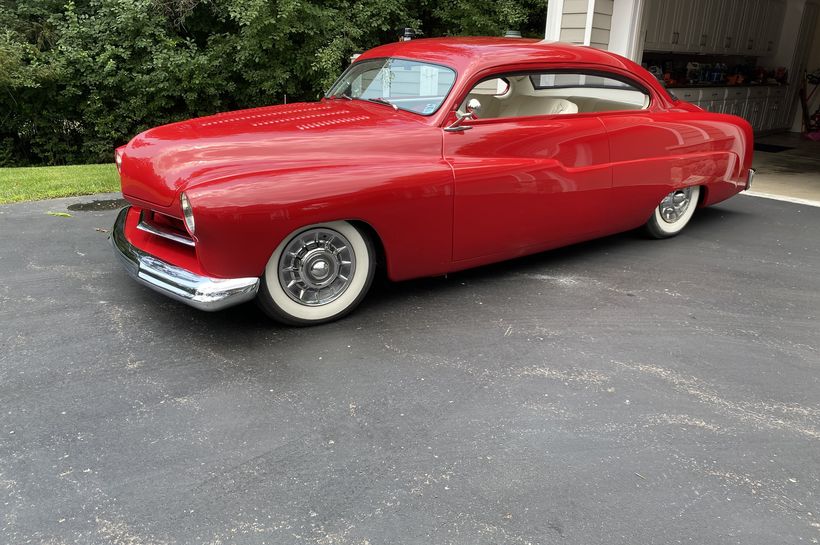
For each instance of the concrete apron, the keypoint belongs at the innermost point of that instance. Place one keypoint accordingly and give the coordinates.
(792, 175)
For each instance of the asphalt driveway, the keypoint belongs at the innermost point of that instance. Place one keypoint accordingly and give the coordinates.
(623, 391)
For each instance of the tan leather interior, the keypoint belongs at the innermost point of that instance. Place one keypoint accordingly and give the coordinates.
(520, 99)
(592, 104)
(533, 105)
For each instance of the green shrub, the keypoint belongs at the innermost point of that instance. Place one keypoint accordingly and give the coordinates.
(80, 78)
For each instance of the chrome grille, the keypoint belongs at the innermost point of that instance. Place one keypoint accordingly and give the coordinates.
(165, 227)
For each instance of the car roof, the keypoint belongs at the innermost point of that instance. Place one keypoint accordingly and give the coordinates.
(474, 54)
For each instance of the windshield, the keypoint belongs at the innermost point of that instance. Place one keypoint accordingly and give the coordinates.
(417, 87)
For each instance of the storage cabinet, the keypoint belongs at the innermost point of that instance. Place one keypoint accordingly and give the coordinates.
(744, 33)
(713, 99)
(764, 108)
(726, 27)
(664, 29)
(730, 16)
(703, 27)
(774, 114)
(775, 11)
(760, 27)
(755, 109)
(689, 95)
(682, 25)
(736, 101)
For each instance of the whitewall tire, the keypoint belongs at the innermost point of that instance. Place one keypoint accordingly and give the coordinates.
(317, 274)
(673, 213)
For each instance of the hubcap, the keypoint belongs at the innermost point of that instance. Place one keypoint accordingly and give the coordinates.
(316, 267)
(674, 205)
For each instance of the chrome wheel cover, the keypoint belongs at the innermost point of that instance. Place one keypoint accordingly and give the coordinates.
(674, 205)
(316, 267)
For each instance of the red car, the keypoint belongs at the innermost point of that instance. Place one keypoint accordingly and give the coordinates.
(427, 156)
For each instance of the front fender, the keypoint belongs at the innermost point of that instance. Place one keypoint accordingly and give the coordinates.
(240, 221)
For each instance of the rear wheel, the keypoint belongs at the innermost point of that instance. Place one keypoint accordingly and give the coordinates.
(673, 213)
(317, 274)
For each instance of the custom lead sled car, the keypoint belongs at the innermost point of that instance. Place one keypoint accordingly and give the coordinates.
(430, 155)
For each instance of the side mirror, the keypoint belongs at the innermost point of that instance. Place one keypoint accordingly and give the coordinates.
(473, 108)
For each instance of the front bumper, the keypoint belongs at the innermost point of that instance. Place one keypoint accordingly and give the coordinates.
(200, 292)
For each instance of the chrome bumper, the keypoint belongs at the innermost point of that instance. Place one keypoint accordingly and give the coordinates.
(751, 178)
(200, 292)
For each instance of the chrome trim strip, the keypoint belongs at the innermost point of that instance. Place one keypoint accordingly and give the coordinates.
(200, 292)
(164, 233)
(750, 178)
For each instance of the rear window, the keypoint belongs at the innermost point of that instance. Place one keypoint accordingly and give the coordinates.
(562, 80)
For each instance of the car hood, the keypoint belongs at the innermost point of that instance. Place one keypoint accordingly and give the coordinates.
(159, 163)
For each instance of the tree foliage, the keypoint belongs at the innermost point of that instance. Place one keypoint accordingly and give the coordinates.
(79, 77)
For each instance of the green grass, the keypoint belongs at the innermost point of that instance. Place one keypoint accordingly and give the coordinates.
(34, 183)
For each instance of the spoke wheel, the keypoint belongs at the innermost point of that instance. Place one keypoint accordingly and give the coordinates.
(317, 274)
(673, 212)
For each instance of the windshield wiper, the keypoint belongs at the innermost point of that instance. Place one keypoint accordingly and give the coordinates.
(343, 95)
(380, 100)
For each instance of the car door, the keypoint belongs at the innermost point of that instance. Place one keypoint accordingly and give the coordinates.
(526, 178)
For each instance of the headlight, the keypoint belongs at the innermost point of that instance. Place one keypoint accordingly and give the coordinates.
(188, 213)
(118, 158)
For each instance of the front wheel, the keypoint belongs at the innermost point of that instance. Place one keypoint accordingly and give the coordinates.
(317, 274)
(673, 213)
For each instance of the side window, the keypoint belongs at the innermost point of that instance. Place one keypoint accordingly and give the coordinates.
(493, 87)
(555, 93)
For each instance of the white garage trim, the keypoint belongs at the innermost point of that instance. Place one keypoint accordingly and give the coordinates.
(795, 200)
